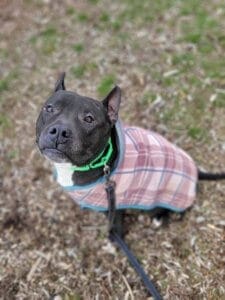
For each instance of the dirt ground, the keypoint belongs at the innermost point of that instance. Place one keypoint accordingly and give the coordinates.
(168, 57)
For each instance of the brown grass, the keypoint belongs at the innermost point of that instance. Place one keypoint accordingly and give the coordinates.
(49, 248)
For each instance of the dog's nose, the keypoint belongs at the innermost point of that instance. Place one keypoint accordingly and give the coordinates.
(59, 133)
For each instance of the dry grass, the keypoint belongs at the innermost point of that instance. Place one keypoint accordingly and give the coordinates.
(168, 57)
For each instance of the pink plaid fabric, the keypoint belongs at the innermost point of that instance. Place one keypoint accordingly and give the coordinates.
(151, 172)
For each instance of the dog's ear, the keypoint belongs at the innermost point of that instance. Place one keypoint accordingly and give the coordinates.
(60, 85)
(112, 104)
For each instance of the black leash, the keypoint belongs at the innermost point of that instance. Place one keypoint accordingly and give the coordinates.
(114, 236)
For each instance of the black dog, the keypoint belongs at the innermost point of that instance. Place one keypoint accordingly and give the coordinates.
(81, 136)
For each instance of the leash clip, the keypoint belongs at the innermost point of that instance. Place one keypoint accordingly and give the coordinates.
(106, 172)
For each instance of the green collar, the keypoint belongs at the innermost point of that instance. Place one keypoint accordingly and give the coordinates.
(101, 160)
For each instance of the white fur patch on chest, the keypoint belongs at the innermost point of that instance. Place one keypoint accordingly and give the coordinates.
(64, 174)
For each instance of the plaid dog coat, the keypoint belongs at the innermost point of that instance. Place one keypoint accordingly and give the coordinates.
(151, 172)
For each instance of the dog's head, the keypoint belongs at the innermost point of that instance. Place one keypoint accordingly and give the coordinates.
(73, 128)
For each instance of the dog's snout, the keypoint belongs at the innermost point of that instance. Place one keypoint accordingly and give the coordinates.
(59, 133)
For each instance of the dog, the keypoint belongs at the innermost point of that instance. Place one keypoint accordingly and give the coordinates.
(81, 136)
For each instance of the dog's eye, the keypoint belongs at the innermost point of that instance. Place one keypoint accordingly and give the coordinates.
(89, 119)
(49, 108)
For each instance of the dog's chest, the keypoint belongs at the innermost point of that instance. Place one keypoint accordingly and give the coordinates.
(151, 173)
(64, 174)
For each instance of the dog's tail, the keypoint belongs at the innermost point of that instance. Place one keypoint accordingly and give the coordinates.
(210, 176)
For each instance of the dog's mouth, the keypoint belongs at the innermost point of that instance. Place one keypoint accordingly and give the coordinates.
(55, 155)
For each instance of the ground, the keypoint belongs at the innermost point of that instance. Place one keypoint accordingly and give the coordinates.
(168, 58)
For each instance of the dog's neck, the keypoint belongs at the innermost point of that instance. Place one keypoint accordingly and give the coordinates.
(67, 177)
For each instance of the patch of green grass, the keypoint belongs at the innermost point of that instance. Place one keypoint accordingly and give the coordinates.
(5, 82)
(141, 12)
(201, 18)
(194, 80)
(116, 25)
(124, 36)
(199, 105)
(171, 111)
(82, 17)
(5, 123)
(221, 40)
(196, 133)
(180, 115)
(48, 38)
(91, 66)
(79, 70)
(79, 48)
(104, 17)
(4, 53)
(168, 81)
(49, 48)
(148, 98)
(4, 85)
(13, 154)
(220, 101)
(214, 68)
(93, 1)
(33, 39)
(178, 59)
(188, 7)
(106, 85)
(107, 23)
(204, 43)
(192, 37)
(201, 29)
(70, 10)
(184, 61)
(48, 33)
